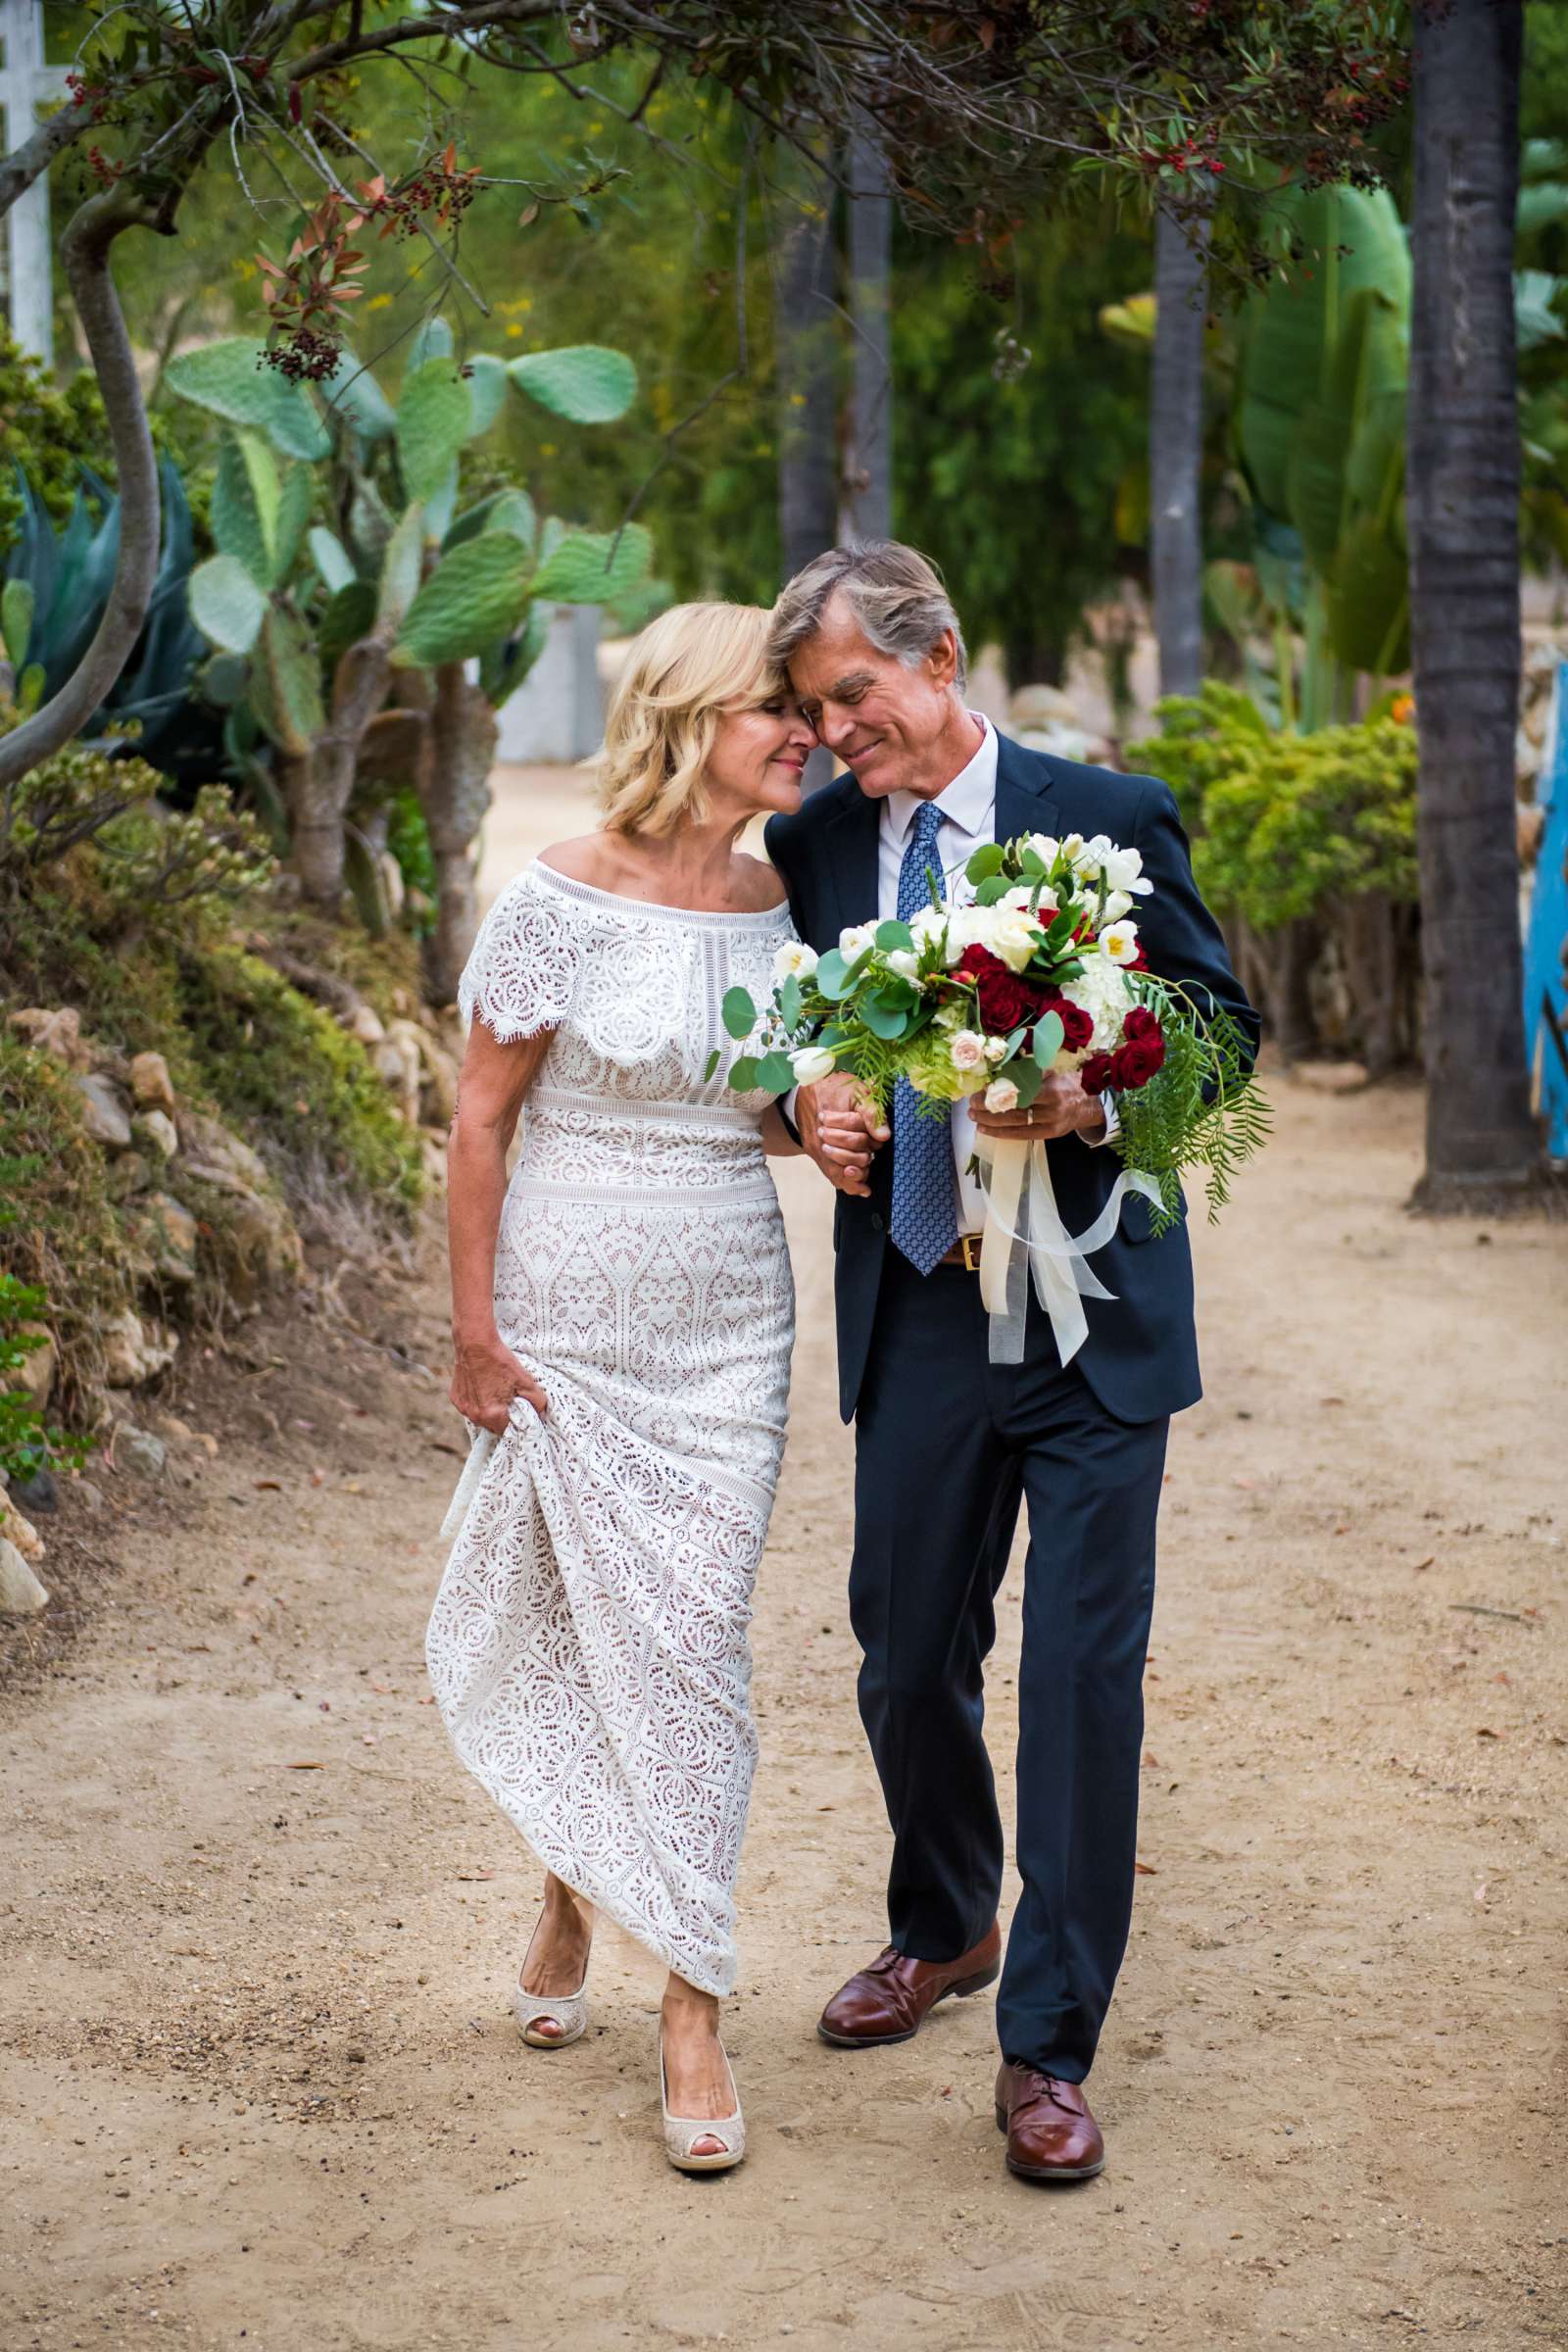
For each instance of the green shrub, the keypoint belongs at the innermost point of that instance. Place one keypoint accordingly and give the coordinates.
(283, 1072)
(1288, 825)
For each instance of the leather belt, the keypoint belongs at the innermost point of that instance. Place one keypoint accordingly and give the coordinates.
(966, 1253)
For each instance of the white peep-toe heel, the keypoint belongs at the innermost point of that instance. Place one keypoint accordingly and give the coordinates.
(567, 2012)
(682, 2132)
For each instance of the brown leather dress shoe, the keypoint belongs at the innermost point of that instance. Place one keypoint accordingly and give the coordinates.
(1051, 2134)
(889, 2000)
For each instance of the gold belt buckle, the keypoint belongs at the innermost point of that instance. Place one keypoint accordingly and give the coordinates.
(969, 1243)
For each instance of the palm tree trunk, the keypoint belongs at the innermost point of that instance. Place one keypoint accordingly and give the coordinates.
(868, 459)
(1176, 452)
(1463, 508)
(807, 437)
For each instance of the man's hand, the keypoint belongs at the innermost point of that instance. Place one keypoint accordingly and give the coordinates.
(841, 1127)
(1061, 1107)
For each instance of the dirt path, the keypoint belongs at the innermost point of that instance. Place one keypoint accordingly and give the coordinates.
(258, 1928)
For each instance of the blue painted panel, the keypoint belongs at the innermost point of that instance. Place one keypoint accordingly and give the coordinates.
(1546, 937)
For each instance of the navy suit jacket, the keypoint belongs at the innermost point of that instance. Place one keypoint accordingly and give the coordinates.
(1141, 1355)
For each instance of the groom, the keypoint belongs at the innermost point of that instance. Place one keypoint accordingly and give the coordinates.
(947, 1442)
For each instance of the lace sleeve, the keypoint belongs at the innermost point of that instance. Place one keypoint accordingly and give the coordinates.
(521, 973)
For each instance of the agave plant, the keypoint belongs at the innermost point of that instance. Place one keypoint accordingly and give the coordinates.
(56, 586)
(357, 595)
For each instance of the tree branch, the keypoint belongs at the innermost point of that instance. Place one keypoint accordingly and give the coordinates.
(29, 162)
(84, 249)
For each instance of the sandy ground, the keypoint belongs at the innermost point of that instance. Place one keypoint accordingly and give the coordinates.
(261, 2085)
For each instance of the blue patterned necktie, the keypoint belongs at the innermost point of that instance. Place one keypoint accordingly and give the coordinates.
(925, 1211)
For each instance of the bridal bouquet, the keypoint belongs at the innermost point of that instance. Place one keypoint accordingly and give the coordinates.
(1030, 965)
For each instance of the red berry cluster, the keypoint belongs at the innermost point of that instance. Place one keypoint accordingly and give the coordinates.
(91, 94)
(103, 169)
(309, 356)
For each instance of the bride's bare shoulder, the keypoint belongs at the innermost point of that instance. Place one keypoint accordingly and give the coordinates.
(765, 884)
(586, 858)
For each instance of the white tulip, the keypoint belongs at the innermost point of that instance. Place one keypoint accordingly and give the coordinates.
(907, 967)
(1002, 1095)
(795, 958)
(1045, 847)
(1117, 904)
(854, 938)
(1119, 941)
(810, 1063)
(967, 1050)
(1124, 870)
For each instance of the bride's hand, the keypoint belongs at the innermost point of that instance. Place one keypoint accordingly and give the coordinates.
(486, 1378)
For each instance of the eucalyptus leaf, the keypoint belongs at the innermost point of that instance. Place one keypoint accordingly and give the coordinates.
(739, 1012)
(789, 1000)
(833, 975)
(714, 1060)
(1049, 1034)
(884, 1020)
(1029, 1079)
(776, 1072)
(743, 1073)
(891, 936)
(990, 891)
(985, 861)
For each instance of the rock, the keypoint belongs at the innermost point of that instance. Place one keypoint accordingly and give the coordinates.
(156, 1129)
(1045, 706)
(134, 1351)
(433, 1153)
(20, 1532)
(397, 1064)
(151, 1086)
(218, 1155)
(365, 1024)
(438, 1081)
(53, 1030)
(261, 1247)
(91, 1497)
(169, 1231)
(128, 1173)
(392, 883)
(35, 1376)
(173, 1430)
(105, 1115)
(138, 1449)
(36, 1493)
(21, 1594)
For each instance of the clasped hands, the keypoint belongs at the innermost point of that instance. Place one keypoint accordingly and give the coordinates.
(841, 1126)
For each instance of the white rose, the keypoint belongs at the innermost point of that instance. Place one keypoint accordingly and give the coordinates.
(1124, 870)
(1119, 941)
(1045, 847)
(795, 958)
(968, 1050)
(969, 927)
(995, 1048)
(1015, 937)
(854, 938)
(902, 962)
(810, 1063)
(927, 924)
(1002, 1095)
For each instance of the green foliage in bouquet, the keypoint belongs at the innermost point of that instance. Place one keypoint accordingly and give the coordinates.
(1202, 1109)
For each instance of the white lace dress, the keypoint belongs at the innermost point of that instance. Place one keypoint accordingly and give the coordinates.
(588, 1645)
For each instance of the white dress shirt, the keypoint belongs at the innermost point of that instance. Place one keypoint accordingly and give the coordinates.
(968, 807)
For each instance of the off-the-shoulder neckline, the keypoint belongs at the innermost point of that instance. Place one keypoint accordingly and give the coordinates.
(686, 914)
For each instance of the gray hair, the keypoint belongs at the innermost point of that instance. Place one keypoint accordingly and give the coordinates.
(895, 594)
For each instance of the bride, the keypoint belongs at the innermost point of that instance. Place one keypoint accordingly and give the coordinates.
(622, 1317)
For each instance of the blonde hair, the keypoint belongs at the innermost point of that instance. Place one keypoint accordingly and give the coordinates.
(685, 670)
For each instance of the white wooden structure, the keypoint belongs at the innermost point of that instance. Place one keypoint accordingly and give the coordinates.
(25, 83)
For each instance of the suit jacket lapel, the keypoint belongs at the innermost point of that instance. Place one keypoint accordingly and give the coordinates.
(851, 860)
(1025, 802)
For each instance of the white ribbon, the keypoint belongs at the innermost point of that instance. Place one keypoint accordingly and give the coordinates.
(1024, 1233)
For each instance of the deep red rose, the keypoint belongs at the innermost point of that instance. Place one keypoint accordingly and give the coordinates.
(1139, 964)
(1007, 1000)
(1077, 1026)
(1134, 1064)
(1141, 1022)
(1096, 1074)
